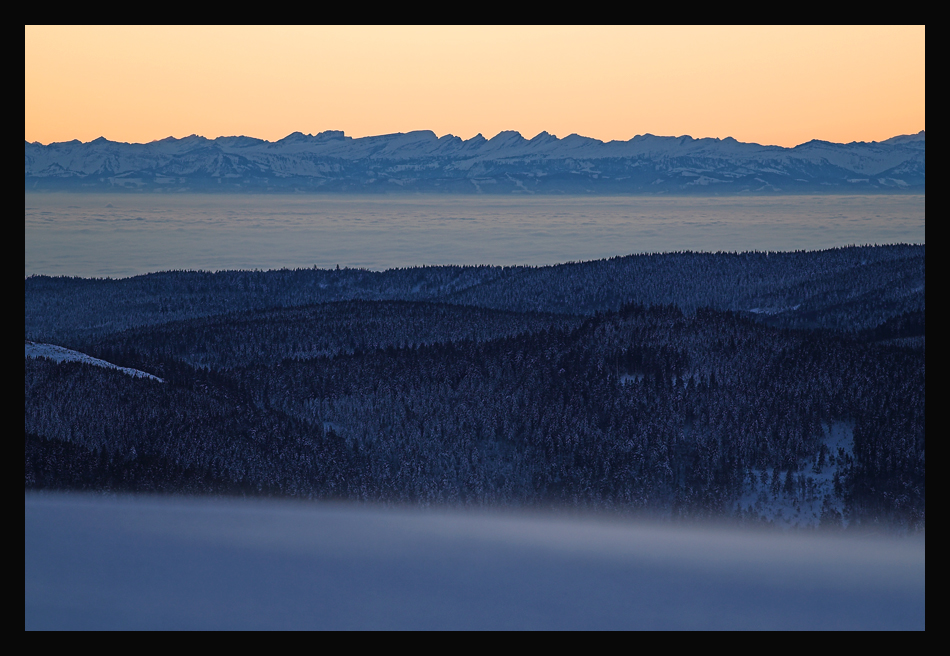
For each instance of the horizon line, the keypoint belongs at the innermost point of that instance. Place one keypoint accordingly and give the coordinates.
(342, 134)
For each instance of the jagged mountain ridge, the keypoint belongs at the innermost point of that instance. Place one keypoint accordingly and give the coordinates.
(507, 163)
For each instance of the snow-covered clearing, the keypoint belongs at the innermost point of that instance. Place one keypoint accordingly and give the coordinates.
(813, 491)
(771, 311)
(60, 354)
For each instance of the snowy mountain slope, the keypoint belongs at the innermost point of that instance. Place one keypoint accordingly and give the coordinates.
(421, 161)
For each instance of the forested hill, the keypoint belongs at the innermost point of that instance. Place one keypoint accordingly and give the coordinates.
(850, 289)
(786, 388)
(644, 409)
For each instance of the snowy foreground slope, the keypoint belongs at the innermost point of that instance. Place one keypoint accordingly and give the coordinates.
(94, 562)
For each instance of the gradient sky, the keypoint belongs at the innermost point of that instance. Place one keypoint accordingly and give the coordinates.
(769, 85)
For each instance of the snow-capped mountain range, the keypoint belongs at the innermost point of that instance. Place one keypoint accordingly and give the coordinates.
(507, 163)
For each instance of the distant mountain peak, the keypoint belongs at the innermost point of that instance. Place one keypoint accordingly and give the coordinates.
(905, 138)
(295, 136)
(506, 135)
(332, 135)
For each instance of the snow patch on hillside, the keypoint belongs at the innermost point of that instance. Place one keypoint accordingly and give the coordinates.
(771, 311)
(60, 354)
(813, 496)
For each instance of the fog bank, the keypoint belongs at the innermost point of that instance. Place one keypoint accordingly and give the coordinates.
(94, 562)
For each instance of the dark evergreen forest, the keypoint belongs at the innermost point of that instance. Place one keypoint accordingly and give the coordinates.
(681, 384)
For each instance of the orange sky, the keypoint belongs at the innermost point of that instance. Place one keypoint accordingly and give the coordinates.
(769, 85)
